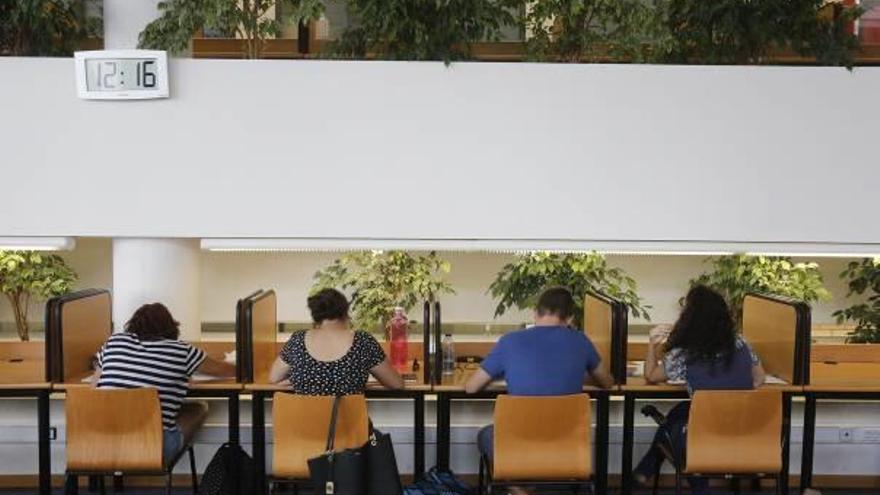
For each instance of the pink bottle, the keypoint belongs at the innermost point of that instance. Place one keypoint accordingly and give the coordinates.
(399, 326)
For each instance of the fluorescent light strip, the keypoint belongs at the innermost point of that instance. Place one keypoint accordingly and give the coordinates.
(507, 246)
(37, 243)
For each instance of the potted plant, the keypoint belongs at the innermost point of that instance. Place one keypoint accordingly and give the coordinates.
(26, 275)
(378, 281)
(863, 277)
(249, 20)
(45, 27)
(736, 275)
(407, 30)
(520, 282)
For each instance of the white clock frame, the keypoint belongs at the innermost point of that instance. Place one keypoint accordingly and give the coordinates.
(160, 91)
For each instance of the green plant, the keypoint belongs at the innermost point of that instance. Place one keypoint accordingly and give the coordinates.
(29, 274)
(381, 280)
(520, 283)
(44, 27)
(736, 275)
(863, 276)
(578, 30)
(246, 19)
(422, 30)
(745, 31)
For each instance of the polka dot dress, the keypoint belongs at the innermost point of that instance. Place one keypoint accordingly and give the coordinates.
(345, 376)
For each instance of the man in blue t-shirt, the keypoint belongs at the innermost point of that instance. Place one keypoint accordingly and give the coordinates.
(549, 358)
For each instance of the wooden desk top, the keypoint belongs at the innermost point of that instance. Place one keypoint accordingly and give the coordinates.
(638, 384)
(219, 384)
(455, 382)
(24, 374)
(844, 377)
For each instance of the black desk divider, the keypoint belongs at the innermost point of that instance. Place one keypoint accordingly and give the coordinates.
(244, 352)
(426, 342)
(619, 335)
(438, 346)
(54, 355)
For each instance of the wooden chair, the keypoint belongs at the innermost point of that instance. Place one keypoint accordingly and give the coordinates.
(115, 432)
(300, 426)
(540, 441)
(730, 434)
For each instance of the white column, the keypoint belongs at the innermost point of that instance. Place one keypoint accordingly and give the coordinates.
(158, 270)
(125, 19)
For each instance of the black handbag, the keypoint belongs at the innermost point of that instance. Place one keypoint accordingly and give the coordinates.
(368, 470)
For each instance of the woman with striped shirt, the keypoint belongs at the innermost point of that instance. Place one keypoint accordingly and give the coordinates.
(149, 355)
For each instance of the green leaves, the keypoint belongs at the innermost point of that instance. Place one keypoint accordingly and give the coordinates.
(26, 274)
(520, 283)
(422, 30)
(380, 280)
(246, 19)
(863, 277)
(44, 27)
(736, 275)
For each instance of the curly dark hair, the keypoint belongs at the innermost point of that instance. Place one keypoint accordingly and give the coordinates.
(328, 304)
(705, 329)
(153, 322)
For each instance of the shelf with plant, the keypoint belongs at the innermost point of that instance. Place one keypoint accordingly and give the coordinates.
(863, 280)
(736, 275)
(26, 276)
(379, 281)
(520, 282)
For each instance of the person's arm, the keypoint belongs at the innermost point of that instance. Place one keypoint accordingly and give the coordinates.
(600, 378)
(93, 380)
(215, 367)
(758, 375)
(654, 370)
(279, 371)
(477, 381)
(387, 375)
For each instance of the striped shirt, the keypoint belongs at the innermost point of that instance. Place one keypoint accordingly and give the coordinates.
(166, 365)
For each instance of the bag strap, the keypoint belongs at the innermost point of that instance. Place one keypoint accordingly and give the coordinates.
(331, 434)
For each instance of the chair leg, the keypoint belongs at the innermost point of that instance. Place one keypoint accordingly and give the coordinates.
(71, 484)
(192, 467)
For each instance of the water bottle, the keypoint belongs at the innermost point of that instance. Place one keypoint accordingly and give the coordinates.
(448, 355)
(399, 327)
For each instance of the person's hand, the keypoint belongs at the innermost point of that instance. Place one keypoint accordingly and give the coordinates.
(659, 334)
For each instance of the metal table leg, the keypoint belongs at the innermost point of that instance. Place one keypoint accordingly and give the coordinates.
(419, 436)
(602, 414)
(629, 412)
(234, 419)
(809, 440)
(443, 430)
(43, 430)
(786, 445)
(259, 441)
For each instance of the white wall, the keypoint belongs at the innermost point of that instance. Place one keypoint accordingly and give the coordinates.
(419, 150)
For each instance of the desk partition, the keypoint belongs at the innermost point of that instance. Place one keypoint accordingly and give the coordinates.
(605, 322)
(256, 329)
(778, 329)
(77, 325)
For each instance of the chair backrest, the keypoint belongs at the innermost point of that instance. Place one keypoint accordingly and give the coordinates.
(542, 438)
(735, 432)
(300, 425)
(113, 430)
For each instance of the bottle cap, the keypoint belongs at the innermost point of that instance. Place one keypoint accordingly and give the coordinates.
(448, 335)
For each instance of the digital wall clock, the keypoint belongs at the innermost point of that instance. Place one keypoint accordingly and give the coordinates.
(121, 74)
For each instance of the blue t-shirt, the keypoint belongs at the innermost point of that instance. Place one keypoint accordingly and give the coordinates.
(542, 361)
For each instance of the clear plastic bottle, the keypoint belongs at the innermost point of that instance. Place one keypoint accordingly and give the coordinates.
(399, 328)
(448, 354)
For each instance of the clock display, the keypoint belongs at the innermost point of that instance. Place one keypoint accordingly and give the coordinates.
(122, 74)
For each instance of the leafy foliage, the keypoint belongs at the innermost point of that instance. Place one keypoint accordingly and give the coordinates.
(381, 280)
(27, 274)
(521, 282)
(44, 27)
(422, 30)
(246, 19)
(577, 30)
(744, 31)
(736, 275)
(863, 276)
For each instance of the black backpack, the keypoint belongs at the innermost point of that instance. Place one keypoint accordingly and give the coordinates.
(230, 472)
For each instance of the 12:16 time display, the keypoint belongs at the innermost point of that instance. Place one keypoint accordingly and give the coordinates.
(120, 74)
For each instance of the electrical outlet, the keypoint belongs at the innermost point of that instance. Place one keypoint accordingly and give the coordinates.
(847, 435)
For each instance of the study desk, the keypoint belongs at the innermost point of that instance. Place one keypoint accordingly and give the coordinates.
(452, 388)
(637, 388)
(415, 391)
(834, 381)
(25, 377)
